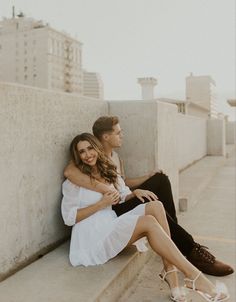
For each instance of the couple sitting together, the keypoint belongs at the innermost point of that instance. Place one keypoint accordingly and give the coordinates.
(107, 215)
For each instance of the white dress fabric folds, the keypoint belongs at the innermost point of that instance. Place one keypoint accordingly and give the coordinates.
(102, 235)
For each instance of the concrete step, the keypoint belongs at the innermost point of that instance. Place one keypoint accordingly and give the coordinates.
(53, 279)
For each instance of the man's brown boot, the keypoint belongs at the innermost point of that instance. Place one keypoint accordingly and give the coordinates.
(207, 263)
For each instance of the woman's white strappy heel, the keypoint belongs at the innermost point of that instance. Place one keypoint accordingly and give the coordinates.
(221, 289)
(177, 293)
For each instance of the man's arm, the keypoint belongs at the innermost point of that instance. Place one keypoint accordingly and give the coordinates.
(133, 183)
(82, 180)
(136, 182)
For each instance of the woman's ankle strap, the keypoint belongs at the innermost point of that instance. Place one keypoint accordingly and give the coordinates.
(193, 280)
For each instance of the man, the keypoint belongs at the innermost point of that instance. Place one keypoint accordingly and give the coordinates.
(108, 131)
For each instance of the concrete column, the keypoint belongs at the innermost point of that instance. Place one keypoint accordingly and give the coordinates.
(216, 140)
(147, 85)
(230, 132)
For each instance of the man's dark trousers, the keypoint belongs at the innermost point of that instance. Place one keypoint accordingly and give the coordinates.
(160, 185)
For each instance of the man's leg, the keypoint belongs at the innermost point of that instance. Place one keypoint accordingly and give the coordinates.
(160, 185)
(193, 251)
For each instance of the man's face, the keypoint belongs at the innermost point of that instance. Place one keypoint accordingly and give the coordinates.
(114, 138)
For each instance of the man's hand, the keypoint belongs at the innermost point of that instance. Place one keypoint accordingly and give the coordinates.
(140, 194)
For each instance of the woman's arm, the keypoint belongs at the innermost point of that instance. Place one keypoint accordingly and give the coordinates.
(70, 206)
(80, 179)
(108, 199)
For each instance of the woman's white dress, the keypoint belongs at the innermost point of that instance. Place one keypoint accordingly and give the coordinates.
(102, 235)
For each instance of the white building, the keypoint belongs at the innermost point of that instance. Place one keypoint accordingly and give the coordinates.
(200, 96)
(92, 85)
(33, 53)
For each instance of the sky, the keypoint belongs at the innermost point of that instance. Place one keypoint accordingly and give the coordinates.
(166, 39)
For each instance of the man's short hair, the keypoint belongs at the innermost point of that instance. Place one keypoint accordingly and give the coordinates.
(104, 124)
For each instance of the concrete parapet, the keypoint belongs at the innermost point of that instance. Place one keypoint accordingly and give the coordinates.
(37, 126)
(216, 139)
(230, 128)
(191, 138)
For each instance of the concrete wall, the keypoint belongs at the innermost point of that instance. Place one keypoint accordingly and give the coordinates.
(149, 138)
(191, 139)
(230, 132)
(196, 110)
(36, 128)
(216, 138)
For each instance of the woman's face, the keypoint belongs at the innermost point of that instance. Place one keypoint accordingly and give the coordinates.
(87, 153)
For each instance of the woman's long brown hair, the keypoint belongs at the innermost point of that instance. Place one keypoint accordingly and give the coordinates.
(105, 166)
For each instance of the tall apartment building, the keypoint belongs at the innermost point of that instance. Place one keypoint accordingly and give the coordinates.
(33, 53)
(93, 85)
(201, 96)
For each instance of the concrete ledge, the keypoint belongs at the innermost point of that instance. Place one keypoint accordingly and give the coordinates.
(31, 259)
(53, 279)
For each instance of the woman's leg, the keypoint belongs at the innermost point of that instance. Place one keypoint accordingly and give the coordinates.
(160, 184)
(161, 243)
(180, 236)
(157, 210)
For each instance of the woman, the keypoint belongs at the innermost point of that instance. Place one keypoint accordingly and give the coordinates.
(99, 235)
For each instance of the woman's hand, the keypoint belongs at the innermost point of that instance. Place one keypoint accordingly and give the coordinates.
(140, 194)
(109, 198)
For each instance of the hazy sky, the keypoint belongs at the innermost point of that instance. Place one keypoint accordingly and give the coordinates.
(166, 39)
